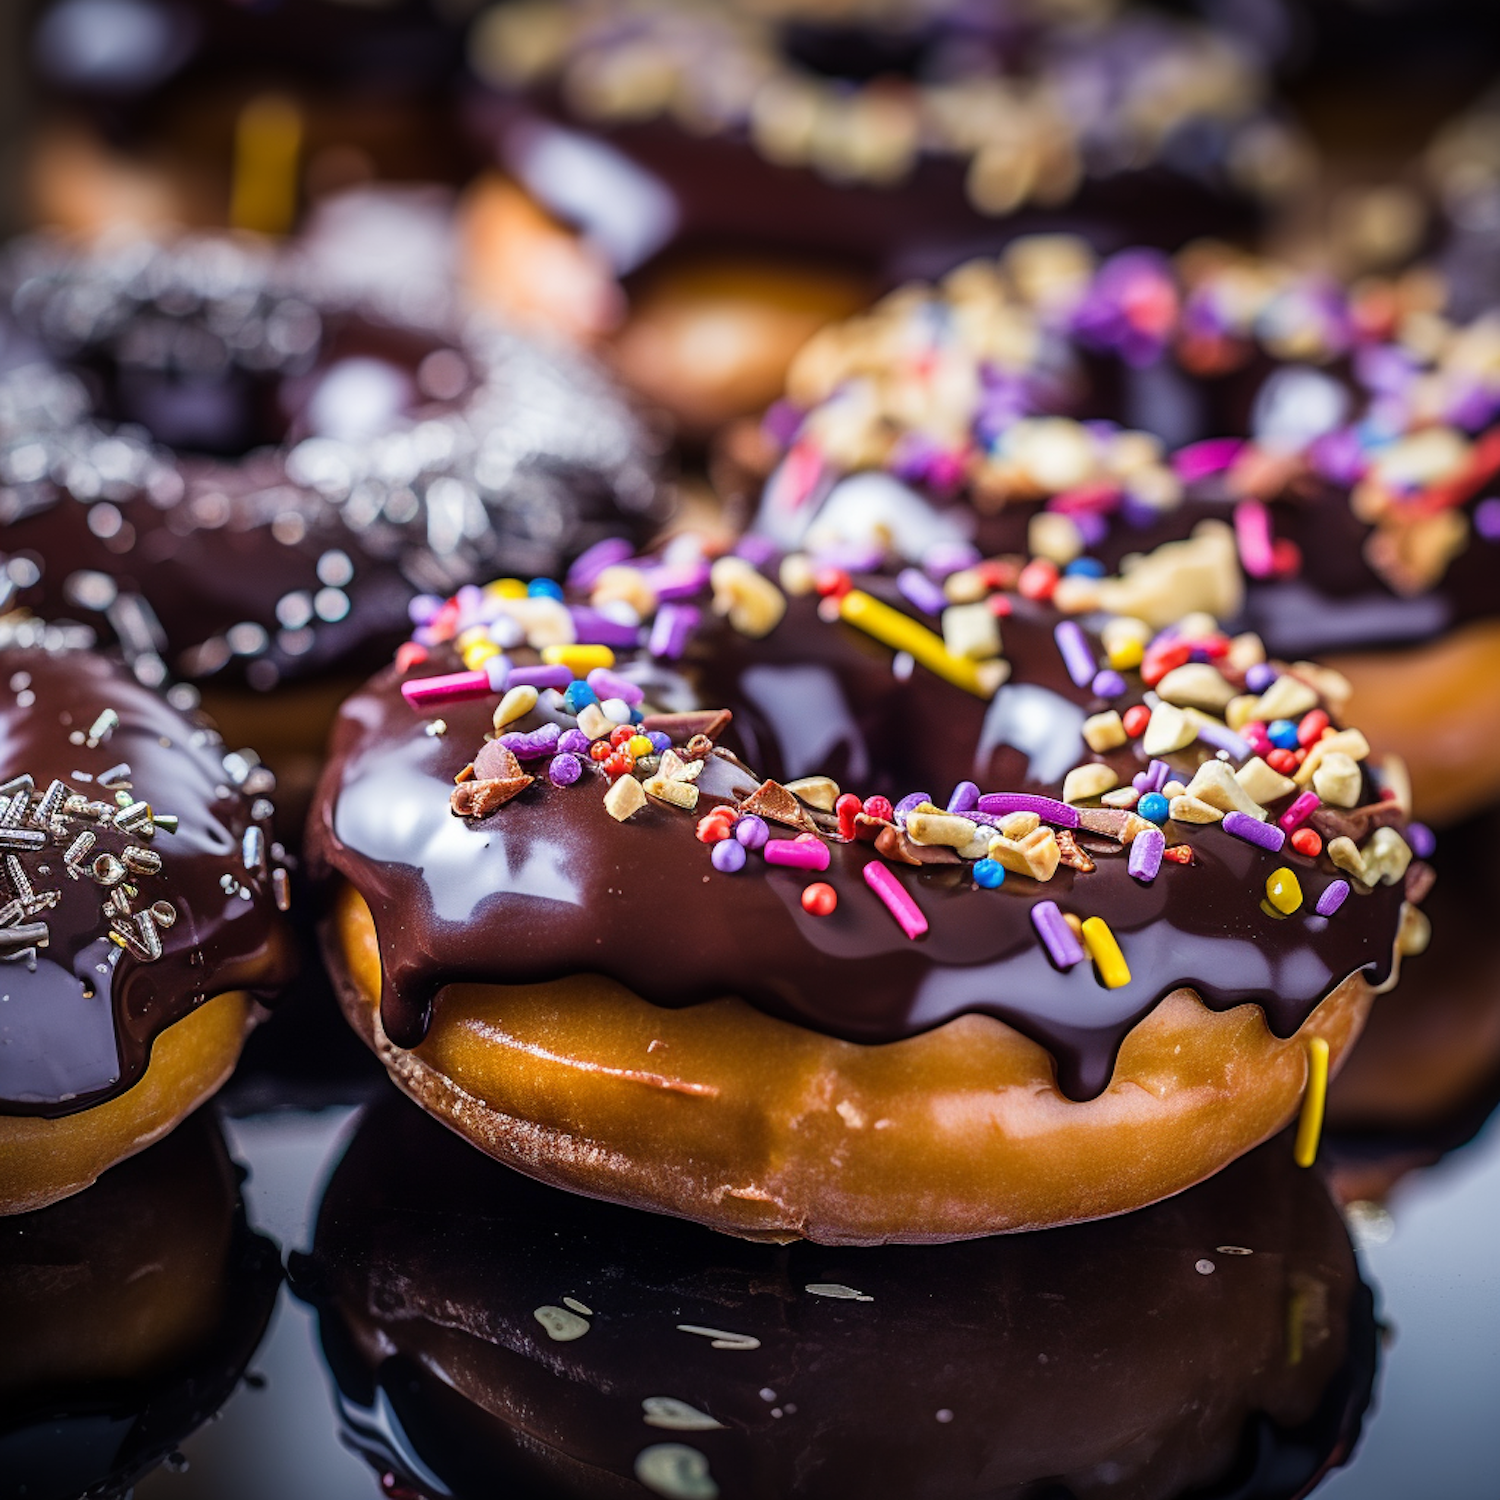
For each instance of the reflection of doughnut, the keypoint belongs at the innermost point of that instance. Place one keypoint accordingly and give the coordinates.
(244, 474)
(727, 155)
(1085, 412)
(484, 1332)
(139, 916)
(982, 1077)
(127, 1315)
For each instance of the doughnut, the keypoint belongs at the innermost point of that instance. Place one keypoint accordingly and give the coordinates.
(140, 914)
(484, 1332)
(839, 1027)
(1081, 414)
(748, 167)
(127, 1315)
(241, 473)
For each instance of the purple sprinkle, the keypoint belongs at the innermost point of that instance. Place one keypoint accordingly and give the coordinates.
(1159, 773)
(670, 630)
(1141, 781)
(1253, 831)
(1060, 941)
(909, 804)
(498, 670)
(1222, 737)
(917, 588)
(943, 558)
(470, 601)
(531, 746)
(1048, 809)
(1422, 839)
(1146, 850)
(851, 557)
(728, 856)
(564, 770)
(1259, 677)
(423, 609)
(592, 561)
(781, 422)
(541, 677)
(608, 685)
(756, 550)
(424, 636)
(752, 832)
(965, 798)
(590, 628)
(1108, 683)
(1076, 655)
(1334, 895)
(680, 582)
(1487, 519)
(660, 742)
(574, 742)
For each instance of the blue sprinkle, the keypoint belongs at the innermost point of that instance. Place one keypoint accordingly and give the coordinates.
(989, 873)
(636, 714)
(1282, 733)
(1084, 567)
(1154, 806)
(578, 695)
(544, 588)
(659, 742)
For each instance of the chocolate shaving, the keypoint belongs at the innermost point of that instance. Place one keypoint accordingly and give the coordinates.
(1356, 823)
(710, 722)
(497, 762)
(700, 747)
(895, 845)
(1071, 854)
(1112, 822)
(1419, 879)
(868, 829)
(772, 800)
(478, 799)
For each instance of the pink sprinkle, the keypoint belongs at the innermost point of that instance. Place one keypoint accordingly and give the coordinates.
(900, 905)
(1252, 534)
(806, 853)
(1199, 460)
(423, 692)
(1300, 811)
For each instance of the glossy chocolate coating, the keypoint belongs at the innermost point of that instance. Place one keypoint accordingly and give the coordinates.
(551, 885)
(1069, 1357)
(94, 1391)
(78, 1023)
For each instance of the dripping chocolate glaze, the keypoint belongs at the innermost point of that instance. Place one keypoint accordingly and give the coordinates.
(421, 1241)
(552, 886)
(78, 1028)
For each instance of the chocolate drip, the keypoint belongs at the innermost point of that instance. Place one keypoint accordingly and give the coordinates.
(551, 885)
(78, 1020)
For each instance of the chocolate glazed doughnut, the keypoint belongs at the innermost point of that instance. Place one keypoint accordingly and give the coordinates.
(747, 169)
(127, 1316)
(139, 926)
(550, 972)
(1047, 407)
(482, 1330)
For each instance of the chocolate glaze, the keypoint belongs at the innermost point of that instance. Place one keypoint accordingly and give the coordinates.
(78, 1024)
(551, 885)
(1069, 1359)
(74, 1420)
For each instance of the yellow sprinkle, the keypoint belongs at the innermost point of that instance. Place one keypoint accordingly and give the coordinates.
(1105, 952)
(902, 633)
(1125, 655)
(1283, 890)
(516, 704)
(638, 745)
(267, 143)
(1310, 1123)
(471, 637)
(506, 588)
(480, 652)
(579, 660)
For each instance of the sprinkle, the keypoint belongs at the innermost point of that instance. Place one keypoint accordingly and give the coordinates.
(902, 633)
(1059, 939)
(965, 798)
(100, 729)
(1263, 835)
(616, 710)
(819, 899)
(1222, 737)
(281, 889)
(1136, 720)
(806, 853)
(1333, 897)
(423, 692)
(1252, 535)
(541, 677)
(989, 873)
(1310, 1122)
(1155, 807)
(607, 684)
(907, 913)
(1307, 842)
(1422, 840)
(752, 832)
(1146, 851)
(1105, 952)
(530, 746)
(579, 660)
(1076, 654)
(591, 627)
(918, 589)
(564, 769)
(592, 561)
(728, 856)
(1259, 677)
(1300, 811)
(252, 853)
(1283, 890)
(23, 838)
(516, 704)
(1108, 683)
(670, 630)
(1048, 809)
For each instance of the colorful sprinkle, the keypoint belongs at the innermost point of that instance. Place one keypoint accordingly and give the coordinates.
(752, 832)
(989, 873)
(797, 854)
(564, 770)
(900, 905)
(1059, 939)
(1146, 852)
(1105, 951)
(1283, 890)
(1048, 809)
(1314, 1097)
(1333, 897)
(728, 856)
(1300, 811)
(579, 660)
(1154, 807)
(1263, 835)
(819, 899)
(1077, 656)
(902, 633)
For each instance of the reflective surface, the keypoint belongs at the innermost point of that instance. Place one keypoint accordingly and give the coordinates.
(1430, 1261)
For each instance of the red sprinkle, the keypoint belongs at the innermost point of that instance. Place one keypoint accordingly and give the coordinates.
(819, 899)
(997, 573)
(1000, 606)
(880, 807)
(620, 763)
(1136, 719)
(408, 655)
(1182, 854)
(832, 582)
(620, 733)
(717, 825)
(847, 808)
(1159, 662)
(1038, 580)
(1306, 841)
(1284, 761)
(600, 750)
(1286, 558)
(444, 624)
(1310, 728)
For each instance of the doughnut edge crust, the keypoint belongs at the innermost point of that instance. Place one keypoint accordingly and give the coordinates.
(763, 1129)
